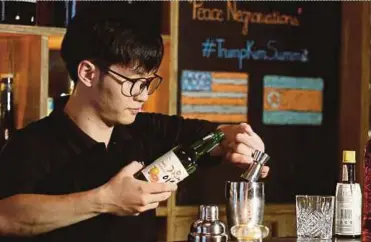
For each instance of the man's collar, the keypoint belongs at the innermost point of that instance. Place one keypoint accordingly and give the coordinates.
(75, 137)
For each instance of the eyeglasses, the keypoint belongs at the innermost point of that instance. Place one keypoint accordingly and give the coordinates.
(132, 87)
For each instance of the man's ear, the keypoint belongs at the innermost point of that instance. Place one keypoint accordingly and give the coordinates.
(87, 72)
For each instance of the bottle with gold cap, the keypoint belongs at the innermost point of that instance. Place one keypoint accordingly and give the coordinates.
(348, 205)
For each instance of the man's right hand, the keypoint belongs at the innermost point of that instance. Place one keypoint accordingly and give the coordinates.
(125, 195)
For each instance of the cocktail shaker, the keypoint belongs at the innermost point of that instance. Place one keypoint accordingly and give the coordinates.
(208, 228)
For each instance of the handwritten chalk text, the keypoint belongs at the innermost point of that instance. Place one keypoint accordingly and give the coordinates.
(233, 13)
(216, 48)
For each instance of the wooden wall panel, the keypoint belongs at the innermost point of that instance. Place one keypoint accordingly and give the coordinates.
(21, 55)
(6, 54)
(27, 64)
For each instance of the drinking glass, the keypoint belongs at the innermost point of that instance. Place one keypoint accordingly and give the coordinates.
(314, 216)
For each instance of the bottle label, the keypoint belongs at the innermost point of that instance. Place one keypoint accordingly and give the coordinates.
(167, 168)
(348, 209)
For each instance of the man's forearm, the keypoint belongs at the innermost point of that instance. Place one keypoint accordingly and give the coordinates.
(32, 214)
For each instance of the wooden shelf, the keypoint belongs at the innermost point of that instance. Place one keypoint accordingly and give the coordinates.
(30, 30)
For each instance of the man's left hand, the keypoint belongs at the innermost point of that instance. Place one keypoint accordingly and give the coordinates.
(239, 144)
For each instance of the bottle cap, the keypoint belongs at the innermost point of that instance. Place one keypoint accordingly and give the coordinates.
(349, 156)
(6, 75)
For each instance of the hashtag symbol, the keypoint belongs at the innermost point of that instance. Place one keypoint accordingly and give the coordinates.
(208, 47)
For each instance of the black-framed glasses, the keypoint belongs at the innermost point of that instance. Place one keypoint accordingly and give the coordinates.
(132, 87)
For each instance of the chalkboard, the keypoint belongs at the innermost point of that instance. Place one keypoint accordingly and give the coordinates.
(285, 58)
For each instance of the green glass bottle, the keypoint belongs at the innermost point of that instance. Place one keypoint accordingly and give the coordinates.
(181, 161)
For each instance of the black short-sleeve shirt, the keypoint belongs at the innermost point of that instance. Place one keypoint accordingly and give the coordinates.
(53, 156)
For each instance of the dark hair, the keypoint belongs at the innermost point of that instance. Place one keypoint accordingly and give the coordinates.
(107, 40)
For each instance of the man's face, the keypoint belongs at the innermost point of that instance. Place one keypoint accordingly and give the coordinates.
(113, 105)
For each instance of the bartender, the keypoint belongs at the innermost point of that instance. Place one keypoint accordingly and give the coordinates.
(73, 170)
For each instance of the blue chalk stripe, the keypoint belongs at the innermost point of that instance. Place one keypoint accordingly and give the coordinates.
(290, 117)
(293, 82)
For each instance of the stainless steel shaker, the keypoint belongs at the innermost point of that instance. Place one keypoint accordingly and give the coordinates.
(208, 228)
(245, 203)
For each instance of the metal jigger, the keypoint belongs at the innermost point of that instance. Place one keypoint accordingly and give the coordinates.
(253, 173)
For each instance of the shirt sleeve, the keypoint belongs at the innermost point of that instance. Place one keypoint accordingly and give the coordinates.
(164, 132)
(22, 164)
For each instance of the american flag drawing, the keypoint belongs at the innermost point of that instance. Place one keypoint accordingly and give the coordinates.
(214, 96)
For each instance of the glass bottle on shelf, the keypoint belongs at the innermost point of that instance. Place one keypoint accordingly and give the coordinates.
(7, 124)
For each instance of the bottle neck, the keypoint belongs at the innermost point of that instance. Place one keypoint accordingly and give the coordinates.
(207, 144)
(348, 173)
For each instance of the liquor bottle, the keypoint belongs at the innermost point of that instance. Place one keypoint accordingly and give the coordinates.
(7, 125)
(55, 13)
(366, 225)
(181, 161)
(18, 12)
(348, 210)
